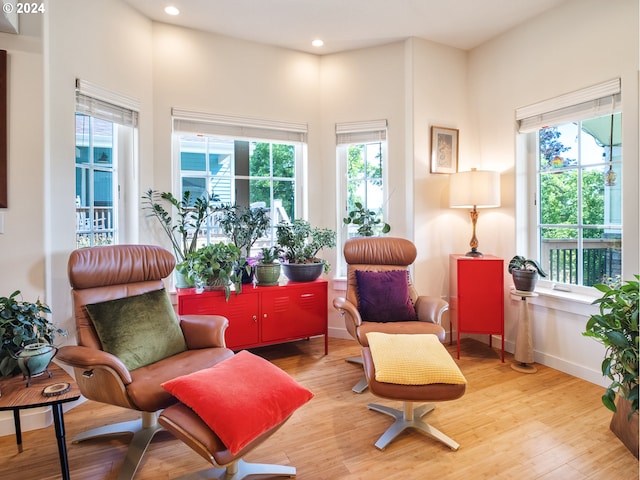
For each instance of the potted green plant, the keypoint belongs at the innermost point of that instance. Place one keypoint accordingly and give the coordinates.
(242, 225)
(191, 216)
(300, 243)
(215, 266)
(616, 327)
(368, 221)
(525, 273)
(268, 268)
(25, 330)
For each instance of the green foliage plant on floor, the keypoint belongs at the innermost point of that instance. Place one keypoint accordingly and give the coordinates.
(616, 327)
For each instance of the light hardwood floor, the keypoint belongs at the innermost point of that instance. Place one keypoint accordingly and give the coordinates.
(510, 425)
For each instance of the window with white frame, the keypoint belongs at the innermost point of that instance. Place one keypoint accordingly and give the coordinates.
(575, 158)
(106, 151)
(241, 161)
(361, 153)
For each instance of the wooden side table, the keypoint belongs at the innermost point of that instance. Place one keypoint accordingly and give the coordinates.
(16, 396)
(523, 353)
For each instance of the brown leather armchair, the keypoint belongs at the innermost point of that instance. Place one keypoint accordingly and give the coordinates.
(384, 254)
(100, 274)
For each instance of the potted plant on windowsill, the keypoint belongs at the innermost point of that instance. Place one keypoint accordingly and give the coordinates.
(268, 267)
(525, 273)
(301, 243)
(217, 266)
(243, 226)
(182, 230)
(27, 336)
(368, 221)
(616, 327)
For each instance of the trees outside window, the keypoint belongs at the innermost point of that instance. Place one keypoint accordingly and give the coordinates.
(580, 209)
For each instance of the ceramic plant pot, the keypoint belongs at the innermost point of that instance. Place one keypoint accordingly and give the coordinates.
(267, 274)
(302, 272)
(34, 359)
(524, 280)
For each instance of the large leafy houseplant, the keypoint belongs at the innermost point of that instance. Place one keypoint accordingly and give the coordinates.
(191, 216)
(368, 221)
(243, 225)
(616, 327)
(23, 323)
(301, 242)
(217, 265)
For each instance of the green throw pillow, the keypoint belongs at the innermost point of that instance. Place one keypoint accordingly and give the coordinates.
(139, 330)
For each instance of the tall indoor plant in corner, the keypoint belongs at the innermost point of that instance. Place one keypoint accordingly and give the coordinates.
(191, 215)
(616, 327)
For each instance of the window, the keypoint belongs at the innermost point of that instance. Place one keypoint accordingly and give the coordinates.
(258, 164)
(361, 156)
(580, 221)
(577, 206)
(105, 153)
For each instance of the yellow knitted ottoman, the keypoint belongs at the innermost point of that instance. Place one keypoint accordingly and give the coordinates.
(411, 368)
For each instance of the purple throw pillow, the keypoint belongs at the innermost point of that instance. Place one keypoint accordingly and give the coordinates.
(384, 296)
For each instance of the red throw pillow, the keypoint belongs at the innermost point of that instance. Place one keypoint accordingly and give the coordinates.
(240, 398)
(384, 296)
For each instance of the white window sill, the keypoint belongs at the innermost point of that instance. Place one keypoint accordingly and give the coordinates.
(339, 283)
(572, 302)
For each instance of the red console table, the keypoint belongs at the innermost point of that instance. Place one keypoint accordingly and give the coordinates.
(476, 291)
(264, 315)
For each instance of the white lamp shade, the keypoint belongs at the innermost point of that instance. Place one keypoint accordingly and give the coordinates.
(477, 188)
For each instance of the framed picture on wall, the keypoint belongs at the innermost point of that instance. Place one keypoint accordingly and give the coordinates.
(444, 150)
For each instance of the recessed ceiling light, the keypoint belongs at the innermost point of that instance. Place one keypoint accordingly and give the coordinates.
(317, 43)
(171, 10)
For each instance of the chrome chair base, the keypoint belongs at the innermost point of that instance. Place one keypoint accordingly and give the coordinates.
(143, 430)
(409, 418)
(240, 470)
(362, 385)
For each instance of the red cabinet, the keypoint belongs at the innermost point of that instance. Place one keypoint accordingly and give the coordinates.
(264, 315)
(476, 291)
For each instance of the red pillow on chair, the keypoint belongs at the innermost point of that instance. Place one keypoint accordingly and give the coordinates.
(240, 398)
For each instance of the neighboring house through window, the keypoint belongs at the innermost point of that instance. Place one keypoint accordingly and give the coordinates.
(574, 156)
(361, 152)
(248, 162)
(106, 151)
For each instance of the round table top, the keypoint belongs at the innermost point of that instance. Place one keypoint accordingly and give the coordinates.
(523, 294)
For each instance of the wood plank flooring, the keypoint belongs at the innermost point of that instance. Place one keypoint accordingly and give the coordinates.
(510, 425)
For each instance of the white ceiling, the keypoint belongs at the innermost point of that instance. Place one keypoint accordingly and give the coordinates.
(349, 24)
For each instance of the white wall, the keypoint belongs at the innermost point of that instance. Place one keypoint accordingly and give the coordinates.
(578, 44)
(361, 85)
(22, 257)
(109, 44)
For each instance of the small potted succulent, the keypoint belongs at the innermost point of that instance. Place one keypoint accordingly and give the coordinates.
(525, 273)
(300, 243)
(27, 336)
(268, 267)
(216, 266)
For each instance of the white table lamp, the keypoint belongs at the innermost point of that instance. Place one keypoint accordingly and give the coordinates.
(474, 189)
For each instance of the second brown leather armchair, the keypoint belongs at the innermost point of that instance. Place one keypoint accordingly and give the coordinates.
(384, 254)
